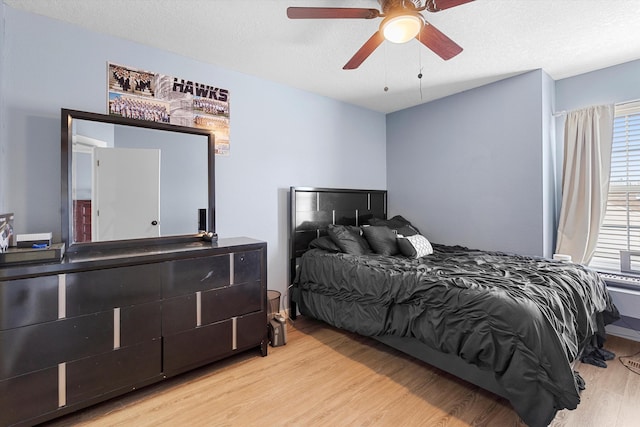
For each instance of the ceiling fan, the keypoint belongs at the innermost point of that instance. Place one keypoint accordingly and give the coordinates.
(401, 22)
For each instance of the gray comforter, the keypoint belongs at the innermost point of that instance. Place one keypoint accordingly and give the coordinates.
(523, 318)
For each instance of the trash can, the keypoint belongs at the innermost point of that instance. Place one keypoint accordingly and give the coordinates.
(273, 306)
(276, 324)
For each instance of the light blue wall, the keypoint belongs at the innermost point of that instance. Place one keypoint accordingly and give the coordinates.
(469, 169)
(619, 83)
(280, 136)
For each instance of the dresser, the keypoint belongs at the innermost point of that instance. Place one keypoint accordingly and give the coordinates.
(103, 323)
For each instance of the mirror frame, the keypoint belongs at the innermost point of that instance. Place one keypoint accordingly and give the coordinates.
(67, 118)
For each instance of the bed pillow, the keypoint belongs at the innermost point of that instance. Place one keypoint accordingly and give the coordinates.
(382, 239)
(348, 239)
(415, 246)
(397, 223)
(325, 243)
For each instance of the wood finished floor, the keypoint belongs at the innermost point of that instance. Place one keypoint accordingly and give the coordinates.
(328, 377)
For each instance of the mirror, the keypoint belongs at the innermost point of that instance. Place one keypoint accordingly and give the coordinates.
(133, 180)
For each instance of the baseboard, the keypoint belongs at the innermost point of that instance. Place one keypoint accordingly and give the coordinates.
(627, 333)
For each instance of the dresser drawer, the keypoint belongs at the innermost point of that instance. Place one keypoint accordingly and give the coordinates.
(41, 346)
(196, 274)
(251, 330)
(179, 314)
(196, 347)
(246, 266)
(27, 396)
(28, 301)
(140, 323)
(99, 290)
(35, 347)
(235, 300)
(190, 311)
(117, 369)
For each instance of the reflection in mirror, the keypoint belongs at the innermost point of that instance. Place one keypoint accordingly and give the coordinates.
(135, 180)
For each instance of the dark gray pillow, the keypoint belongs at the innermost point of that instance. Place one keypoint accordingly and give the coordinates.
(382, 239)
(325, 243)
(397, 223)
(348, 239)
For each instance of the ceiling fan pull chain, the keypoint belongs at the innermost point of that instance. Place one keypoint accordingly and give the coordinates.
(386, 88)
(420, 70)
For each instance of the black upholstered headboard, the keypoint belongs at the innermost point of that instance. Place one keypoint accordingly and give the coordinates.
(313, 209)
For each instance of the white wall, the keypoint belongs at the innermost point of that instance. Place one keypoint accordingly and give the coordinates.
(472, 168)
(280, 136)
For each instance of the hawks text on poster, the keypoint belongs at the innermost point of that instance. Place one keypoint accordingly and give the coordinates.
(202, 90)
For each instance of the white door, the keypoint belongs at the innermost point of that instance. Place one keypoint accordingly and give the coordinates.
(126, 200)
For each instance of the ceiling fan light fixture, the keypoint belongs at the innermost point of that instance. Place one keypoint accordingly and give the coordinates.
(401, 28)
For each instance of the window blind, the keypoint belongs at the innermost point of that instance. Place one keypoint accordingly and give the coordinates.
(620, 229)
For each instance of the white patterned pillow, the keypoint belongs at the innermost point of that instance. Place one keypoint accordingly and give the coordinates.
(415, 246)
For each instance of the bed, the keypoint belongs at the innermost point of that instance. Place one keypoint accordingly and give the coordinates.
(513, 325)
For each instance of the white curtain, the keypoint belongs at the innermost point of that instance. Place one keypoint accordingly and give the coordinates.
(588, 136)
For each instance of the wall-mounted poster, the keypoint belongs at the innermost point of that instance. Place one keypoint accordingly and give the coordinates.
(146, 95)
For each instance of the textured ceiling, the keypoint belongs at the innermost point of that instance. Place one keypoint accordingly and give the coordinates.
(500, 38)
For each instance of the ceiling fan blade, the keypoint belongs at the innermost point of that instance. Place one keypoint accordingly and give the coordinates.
(440, 44)
(438, 5)
(331, 13)
(364, 52)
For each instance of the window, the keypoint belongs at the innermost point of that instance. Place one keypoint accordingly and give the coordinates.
(621, 226)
